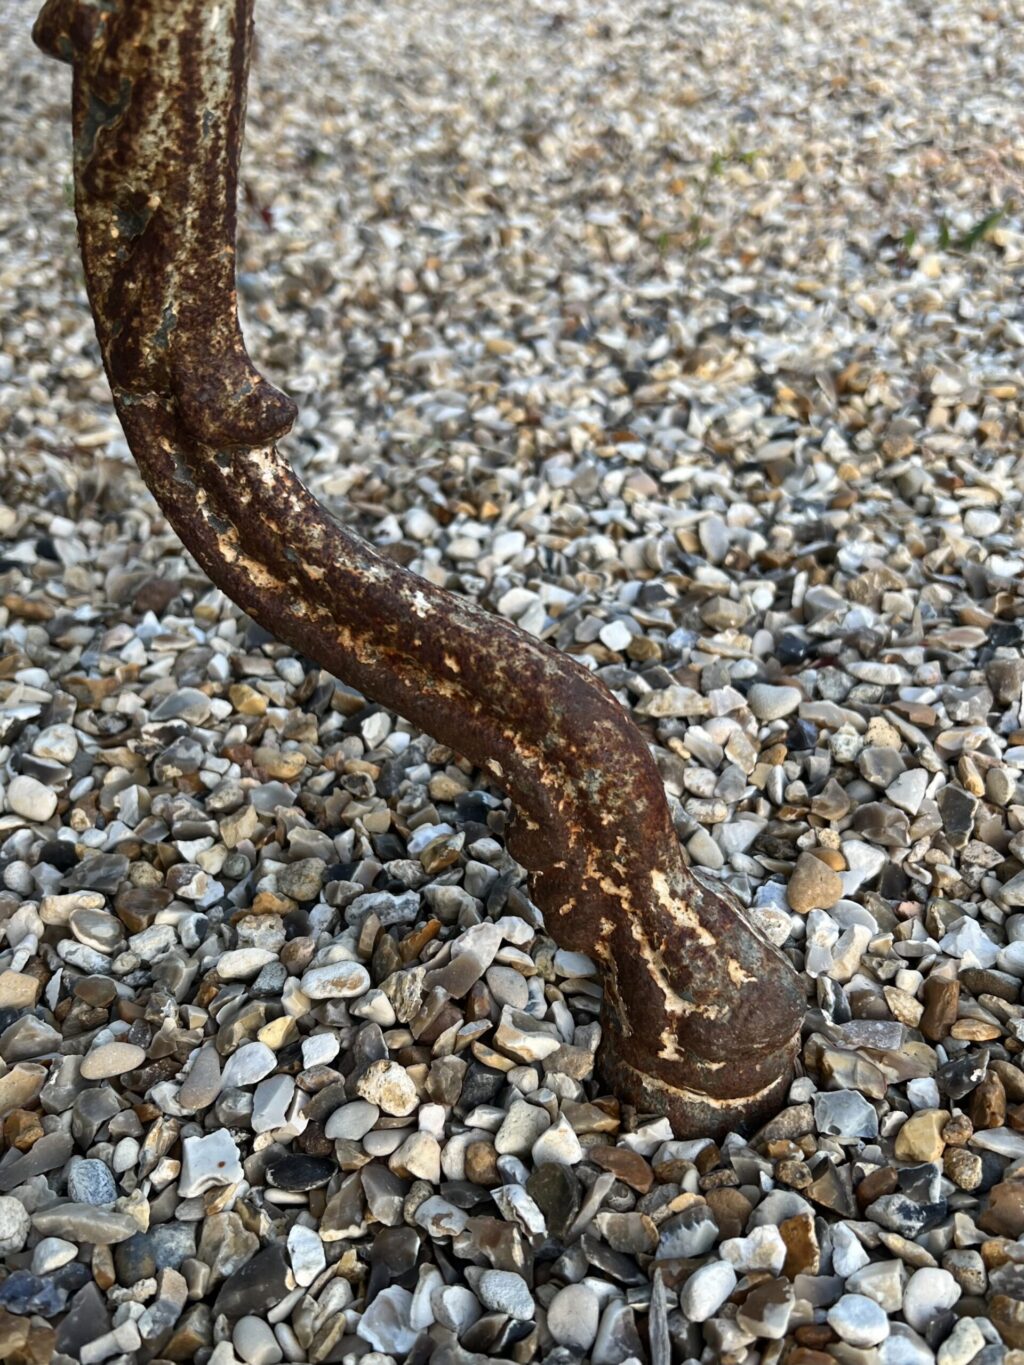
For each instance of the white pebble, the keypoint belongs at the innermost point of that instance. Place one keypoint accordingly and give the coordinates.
(706, 1290)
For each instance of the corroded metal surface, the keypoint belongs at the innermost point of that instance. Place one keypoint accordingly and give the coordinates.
(702, 1016)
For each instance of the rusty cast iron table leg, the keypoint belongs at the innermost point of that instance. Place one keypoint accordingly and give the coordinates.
(701, 1016)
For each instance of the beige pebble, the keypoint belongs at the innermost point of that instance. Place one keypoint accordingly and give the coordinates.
(111, 1059)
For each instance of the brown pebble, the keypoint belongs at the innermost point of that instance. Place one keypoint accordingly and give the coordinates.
(975, 1031)
(803, 1255)
(103, 1271)
(875, 1185)
(1005, 1213)
(796, 1174)
(941, 1001)
(1008, 1318)
(964, 1168)
(998, 1251)
(814, 1334)
(782, 1149)
(22, 1129)
(988, 1103)
(296, 955)
(1012, 1077)
(732, 1210)
(708, 1158)
(958, 1131)
(482, 1165)
(628, 1166)
(26, 1341)
(312, 1140)
(97, 991)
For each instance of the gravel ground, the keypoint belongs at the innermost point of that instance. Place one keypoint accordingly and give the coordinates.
(690, 338)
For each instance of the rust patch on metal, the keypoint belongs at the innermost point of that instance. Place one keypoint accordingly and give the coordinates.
(702, 1016)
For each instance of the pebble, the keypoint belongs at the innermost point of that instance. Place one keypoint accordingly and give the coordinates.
(306, 1253)
(772, 703)
(352, 1121)
(84, 1223)
(846, 1114)
(388, 1086)
(559, 1144)
(928, 1294)
(255, 1343)
(208, 1162)
(503, 1291)
(813, 885)
(14, 1225)
(91, 1182)
(386, 1322)
(858, 1320)
(573, 1317)
(242, 964)
(336, 981)
(28, 797)
(49, 1253)
(250, 1064)
(706, 1290)
(111, 1059)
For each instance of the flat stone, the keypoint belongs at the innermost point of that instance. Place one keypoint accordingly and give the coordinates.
(18, 990)
(296, 1171)
(524, 1037)
(352, 1121)
(690, 1233)
(84, 1223)
(763, 1250)
(558, 1144)
(573, 1317)
(242, 964)
(845, 1114)
(302, 880)
(336, 981)
(59, 743)
(441, 1218)
(630, 1167)
(270, 1103)
(1004, 1216)
(521, 1128)
(247, 1066)
(111, 1059)
(767, 1309)
(50, 1253)
(941, 997)
(261, 1281)
(908, 789)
